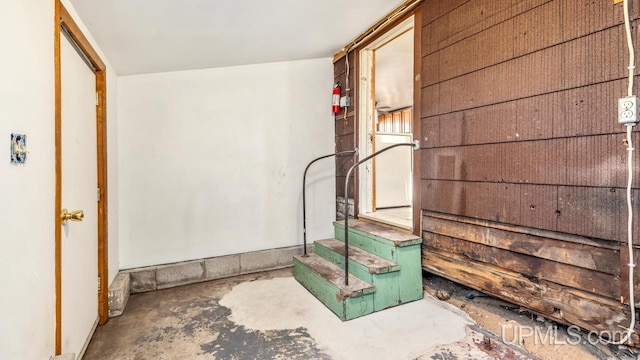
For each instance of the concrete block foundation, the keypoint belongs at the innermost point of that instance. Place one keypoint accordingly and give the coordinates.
(143, 279)
(119, 291)
(165, 276)
(221, 267)
(172, 275)
(259, 261)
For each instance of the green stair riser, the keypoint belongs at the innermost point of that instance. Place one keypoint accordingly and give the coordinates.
(387, 284)
(355, 268)
(390, 296)
(376, 245)
(384, 248)
(339, 234)
(345, 308)
(381, 249)
(411, 274)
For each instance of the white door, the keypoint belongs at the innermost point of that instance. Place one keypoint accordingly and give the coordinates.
(79, 192)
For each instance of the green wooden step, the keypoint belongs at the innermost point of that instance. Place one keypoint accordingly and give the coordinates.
(369, 262)
(383, 274)
(361, 233)
(392, 244)
(325, 281)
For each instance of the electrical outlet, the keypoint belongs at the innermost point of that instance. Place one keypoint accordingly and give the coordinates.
(628, 110)
(18, 148)
(345, 101)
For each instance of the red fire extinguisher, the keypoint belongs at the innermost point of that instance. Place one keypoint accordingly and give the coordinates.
(335, 101)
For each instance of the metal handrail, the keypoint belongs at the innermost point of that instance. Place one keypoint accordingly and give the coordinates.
(304, 190)
(416, 145)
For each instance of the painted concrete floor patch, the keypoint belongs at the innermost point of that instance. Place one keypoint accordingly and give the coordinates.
(403, 332)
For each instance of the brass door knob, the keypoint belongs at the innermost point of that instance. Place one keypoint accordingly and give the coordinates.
(65, 216)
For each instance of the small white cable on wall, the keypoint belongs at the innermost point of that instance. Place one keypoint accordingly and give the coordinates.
(347, 89)
(632, 265)
(628, 115)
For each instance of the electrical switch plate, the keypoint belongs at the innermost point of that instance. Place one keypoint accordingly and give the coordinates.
(628, 110)
(345, 101)
(18, 148)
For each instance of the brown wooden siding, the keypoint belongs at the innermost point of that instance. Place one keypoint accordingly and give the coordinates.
(523, 165)
(525, 94)
(345, 128)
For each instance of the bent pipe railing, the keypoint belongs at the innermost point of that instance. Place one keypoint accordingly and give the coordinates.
(416, 145)
(304, 190)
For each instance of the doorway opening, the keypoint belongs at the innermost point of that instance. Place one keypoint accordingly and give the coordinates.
(386, 69)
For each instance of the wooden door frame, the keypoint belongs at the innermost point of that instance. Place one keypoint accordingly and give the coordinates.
(61, 15)
(416, 112)
(416, 120)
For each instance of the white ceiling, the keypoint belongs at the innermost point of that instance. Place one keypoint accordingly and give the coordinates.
(145, 36)
(394, 73)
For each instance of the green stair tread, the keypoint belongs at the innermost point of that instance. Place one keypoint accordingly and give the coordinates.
(335, 276)
(399, 237)
(376, 264)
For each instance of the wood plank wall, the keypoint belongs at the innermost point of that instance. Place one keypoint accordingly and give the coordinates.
(523, 161)
(345, 128)
(397, 122)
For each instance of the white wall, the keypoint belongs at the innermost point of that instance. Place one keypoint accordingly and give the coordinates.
(211, 161)
(27, 192)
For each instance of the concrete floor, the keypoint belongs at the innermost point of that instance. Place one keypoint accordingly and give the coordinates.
(270, 316)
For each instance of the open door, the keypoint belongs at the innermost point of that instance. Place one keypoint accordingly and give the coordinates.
(81, 254)
(79, 184)
(386, 88)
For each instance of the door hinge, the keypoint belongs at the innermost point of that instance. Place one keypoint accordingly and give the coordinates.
(98, 197)
(97, 98)
(99, 284)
